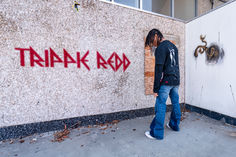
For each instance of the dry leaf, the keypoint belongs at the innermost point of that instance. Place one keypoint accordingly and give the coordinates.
(22, 141)
(60, 136)
(85, 132)
(104, 127)
(115, 121)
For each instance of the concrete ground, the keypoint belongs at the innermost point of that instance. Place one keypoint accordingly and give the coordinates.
(200, 136)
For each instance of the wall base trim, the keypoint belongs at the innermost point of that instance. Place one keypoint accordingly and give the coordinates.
(18, 131)
(211, 114)
(23, 130)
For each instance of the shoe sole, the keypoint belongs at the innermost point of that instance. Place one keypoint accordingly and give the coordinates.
(149, 136)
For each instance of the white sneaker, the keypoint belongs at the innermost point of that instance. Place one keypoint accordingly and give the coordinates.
(147, 133)
(167, 125)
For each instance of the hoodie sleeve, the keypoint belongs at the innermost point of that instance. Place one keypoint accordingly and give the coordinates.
(160, 57)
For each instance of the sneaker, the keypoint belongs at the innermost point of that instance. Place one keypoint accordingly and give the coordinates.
(168, 126)
(147, 133)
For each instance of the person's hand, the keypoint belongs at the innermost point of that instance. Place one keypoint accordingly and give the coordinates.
(155, 95)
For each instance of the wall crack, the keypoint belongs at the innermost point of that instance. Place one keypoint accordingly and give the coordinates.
(232, 93)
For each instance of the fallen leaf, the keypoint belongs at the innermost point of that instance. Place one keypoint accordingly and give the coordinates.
(115, 121)
(104, 127)
(61, 135)
(22, 141)
(85, 132)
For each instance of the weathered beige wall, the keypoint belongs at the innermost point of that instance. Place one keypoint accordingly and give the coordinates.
(34, 94)
(205, 5)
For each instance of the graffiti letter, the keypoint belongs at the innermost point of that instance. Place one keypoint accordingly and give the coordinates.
(46, 58)
(125, 65)
(22, 55)
(66, 56)
(52, 55)
(83, 60)
(33, 53)
(110, 61)
(99, 63)
(118, 60)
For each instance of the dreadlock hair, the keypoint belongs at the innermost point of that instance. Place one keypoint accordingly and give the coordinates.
(151, 35)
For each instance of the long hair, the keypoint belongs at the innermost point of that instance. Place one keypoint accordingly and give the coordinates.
(151, 35)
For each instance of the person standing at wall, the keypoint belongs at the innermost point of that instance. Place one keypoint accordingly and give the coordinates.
(166, 83)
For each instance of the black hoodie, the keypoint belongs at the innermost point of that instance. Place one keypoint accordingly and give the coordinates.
(166, 66)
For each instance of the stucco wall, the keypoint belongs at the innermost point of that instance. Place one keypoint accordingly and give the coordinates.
(205, 5)
(212, 86)
(33, 94)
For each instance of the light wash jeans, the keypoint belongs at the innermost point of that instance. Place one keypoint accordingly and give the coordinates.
(157, 125)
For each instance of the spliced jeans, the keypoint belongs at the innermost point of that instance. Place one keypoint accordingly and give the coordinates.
(157, 125)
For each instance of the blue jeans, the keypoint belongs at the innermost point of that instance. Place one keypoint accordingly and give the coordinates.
(157, 125)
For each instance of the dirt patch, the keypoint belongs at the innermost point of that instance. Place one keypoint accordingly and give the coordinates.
(7, 25)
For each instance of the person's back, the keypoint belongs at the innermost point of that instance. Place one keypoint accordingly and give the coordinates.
(171, 74)
(166, 65)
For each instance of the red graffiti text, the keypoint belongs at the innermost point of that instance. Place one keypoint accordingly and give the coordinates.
(51, 58)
